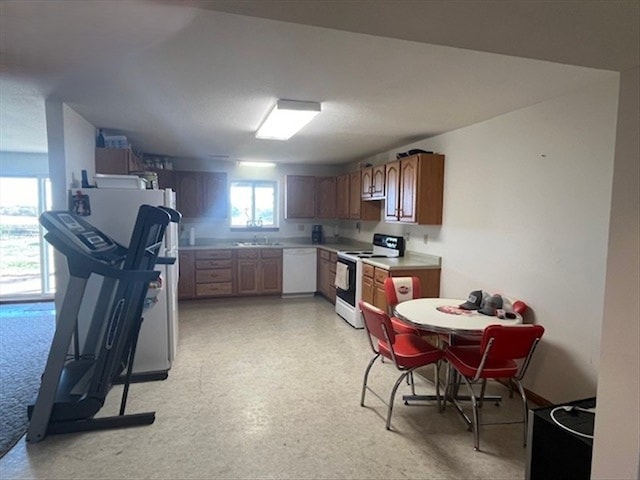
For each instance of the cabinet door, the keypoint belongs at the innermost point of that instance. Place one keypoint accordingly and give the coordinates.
(271, 276)
(342, 196)
(377, 182)
(188, 200)
(213, 191)
(166, 179)
(326, 197)
(247, 276)
(367, 290)
(354, 195)
(392, 184)
(300, 196)
(408, 189)
(186, 275)
(366, 185)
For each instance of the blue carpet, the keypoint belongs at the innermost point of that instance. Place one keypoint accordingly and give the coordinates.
(26, 331)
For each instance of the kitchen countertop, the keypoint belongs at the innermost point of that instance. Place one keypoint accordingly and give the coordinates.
(410, 259)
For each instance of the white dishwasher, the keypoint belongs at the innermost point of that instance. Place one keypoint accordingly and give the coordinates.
(299, 271)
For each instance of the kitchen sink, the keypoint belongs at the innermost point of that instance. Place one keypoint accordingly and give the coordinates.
(255, 244)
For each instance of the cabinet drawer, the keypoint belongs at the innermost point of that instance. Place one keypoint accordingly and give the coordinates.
(213, 289)
(270, 252)
(367, 270)
(380, 275)
(209, 264)
(249, 253)
(213, 254)
(220, 275)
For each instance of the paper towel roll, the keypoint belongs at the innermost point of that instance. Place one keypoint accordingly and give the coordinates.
(192, 236)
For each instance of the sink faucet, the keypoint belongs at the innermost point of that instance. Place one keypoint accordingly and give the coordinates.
(255, 239)
(266, 240)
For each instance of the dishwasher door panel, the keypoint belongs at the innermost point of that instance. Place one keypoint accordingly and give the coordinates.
(299, 271)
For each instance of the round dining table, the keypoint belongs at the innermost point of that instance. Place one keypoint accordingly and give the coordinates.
(443, 315)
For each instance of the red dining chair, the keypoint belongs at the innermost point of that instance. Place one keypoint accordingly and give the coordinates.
(406, 350)
(400, 289)
(496, 358)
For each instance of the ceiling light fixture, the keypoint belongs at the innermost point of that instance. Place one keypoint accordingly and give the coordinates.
(287, 118)
(256, 164)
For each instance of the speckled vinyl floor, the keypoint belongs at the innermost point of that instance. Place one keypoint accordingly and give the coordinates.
(270, 388)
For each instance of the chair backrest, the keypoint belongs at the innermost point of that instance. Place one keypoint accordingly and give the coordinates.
(511, 343)
(400, 289)
(519, 307)
(377, 323)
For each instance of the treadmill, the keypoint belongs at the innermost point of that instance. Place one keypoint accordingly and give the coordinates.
(78, 376)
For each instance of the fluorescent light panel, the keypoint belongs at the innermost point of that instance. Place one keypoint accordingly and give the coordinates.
(287, 118)
(256, 164)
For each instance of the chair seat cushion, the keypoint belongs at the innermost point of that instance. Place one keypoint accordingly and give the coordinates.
(411, 351)
(466, 360)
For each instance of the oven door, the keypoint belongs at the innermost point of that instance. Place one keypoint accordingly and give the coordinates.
(348, 295)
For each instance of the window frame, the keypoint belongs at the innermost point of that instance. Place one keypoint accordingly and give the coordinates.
(253, 183)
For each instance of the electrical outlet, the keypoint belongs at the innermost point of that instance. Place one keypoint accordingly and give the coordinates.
(301, 227)
(407, 236)
(425, 238)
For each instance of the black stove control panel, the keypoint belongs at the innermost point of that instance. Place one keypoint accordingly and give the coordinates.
(389, 241)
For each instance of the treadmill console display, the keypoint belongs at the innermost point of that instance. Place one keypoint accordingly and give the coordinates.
(79, 233)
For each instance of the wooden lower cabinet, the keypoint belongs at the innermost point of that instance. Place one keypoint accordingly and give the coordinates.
(373, 283)
(186, 275)
(327, 274)
(259, 271)
(214, 273)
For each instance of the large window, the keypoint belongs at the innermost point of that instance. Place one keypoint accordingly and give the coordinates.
(26, 260)
(253, 204)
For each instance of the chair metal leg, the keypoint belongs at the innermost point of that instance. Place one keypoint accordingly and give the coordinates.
(393, 396)
(475, 424)
(366, 376)
(525, 412)
(482, 390)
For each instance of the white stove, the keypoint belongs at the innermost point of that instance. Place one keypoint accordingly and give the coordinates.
(349, 274)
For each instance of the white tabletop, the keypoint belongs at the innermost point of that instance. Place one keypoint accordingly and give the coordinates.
(423, 312)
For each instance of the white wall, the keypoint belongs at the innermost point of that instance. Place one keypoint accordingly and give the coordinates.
(526, 214)
(616, 453)
(71, 145)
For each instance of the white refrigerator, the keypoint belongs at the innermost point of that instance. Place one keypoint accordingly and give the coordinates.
(114, 211)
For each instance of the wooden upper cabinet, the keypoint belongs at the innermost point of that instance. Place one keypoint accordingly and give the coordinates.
(300, 196)
(373, 184)
(354, 195)
(214, 195)
(342, 196)
(188, 201)
(116, 161)
(392, 175)
(201, 194)
(326, 197)
(415, 188)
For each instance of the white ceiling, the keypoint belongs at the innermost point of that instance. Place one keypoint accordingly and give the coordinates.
(192, 81)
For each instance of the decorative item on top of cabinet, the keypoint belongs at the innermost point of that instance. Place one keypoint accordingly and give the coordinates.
(326, 197)
(414, 189)
(373, 183)
(187, 275)
(300, 196)
(201, 194)
(116, 161)
(214, 273)
(259, 271)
